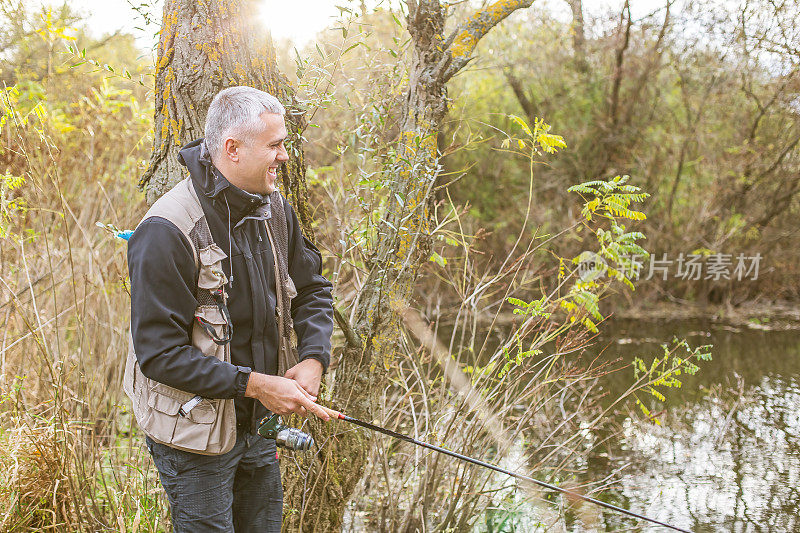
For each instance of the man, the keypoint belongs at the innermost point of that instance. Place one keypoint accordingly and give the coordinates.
(233, 173)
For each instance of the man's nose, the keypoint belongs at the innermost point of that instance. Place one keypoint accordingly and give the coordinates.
(283, 155)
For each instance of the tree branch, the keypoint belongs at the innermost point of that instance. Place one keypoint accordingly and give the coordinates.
(779, 204)
(462, 42)
(349, 334)
(617, 80)
(652, 63)
(525, 102)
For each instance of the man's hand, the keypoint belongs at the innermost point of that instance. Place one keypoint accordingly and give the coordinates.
(283, 396)
(308, 373)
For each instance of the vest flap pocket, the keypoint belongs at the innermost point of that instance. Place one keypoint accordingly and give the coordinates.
(164, 404)
(211, 275)
(212, 254)
(203, 413)
(212, 316)
(178, 395)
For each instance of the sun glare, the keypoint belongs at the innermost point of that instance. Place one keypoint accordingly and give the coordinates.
(297, 21)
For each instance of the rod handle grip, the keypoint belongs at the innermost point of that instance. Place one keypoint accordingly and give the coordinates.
(331, 412)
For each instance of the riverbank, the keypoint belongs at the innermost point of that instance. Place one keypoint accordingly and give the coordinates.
(767, 316)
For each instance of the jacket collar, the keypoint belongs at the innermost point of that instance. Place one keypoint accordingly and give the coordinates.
(224, 195)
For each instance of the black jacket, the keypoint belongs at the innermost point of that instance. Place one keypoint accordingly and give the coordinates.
(164, 280)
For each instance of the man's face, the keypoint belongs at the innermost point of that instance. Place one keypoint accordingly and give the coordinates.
(259, 159)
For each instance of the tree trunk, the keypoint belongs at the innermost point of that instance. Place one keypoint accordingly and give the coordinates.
(578, 35)
(205, 47)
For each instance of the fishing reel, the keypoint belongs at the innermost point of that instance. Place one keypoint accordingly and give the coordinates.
(272, 427)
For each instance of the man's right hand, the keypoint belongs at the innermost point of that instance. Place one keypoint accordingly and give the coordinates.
(283, 396)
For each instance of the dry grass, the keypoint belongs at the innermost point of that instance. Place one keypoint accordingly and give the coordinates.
(69, 460)
(36, 492)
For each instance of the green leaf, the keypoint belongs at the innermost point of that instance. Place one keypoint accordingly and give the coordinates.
(438, 259)
(522, 124)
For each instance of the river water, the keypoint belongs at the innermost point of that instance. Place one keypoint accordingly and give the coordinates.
(727, 455)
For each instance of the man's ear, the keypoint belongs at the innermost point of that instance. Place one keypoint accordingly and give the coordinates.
(231, 149)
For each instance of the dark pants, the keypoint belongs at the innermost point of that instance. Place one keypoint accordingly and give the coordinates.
(239, 491)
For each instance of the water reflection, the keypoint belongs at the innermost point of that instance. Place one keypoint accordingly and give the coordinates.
(727, 460)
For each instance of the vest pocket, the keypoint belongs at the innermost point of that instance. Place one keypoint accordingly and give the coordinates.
(211, 276)
(211, 315)
(194, 431)
(191, 432)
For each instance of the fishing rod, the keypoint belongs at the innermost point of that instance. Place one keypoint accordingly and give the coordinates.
(341, 416)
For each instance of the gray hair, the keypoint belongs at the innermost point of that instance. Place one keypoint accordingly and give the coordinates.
(235, 112)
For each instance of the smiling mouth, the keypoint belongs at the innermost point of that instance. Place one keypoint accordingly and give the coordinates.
(273, 172)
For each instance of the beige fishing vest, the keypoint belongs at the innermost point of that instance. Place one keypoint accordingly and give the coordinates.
(209, 427)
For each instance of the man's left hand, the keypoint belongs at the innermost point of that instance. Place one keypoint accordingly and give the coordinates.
(308, 374)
